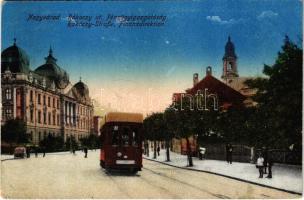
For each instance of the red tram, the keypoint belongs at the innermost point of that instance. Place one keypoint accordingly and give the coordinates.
(121, 141)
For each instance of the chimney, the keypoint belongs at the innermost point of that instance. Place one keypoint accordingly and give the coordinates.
(208, 71)
(195, 79)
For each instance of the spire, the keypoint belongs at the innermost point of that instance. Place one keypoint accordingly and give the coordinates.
(50, 59)
(229, 49)
(80, 79)
(51, 51)
(15, 41)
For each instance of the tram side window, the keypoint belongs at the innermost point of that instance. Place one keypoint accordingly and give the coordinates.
(115, 136)
(125, 137)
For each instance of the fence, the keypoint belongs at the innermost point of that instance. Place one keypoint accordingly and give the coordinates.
(283, 156)
(240, 153)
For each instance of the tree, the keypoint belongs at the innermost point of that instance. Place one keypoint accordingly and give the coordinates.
(155, 129)
(14, 131)
(92, 141)
(170, 120)
(185, 125)
(279, 98)
(71, 143)
(52, 143)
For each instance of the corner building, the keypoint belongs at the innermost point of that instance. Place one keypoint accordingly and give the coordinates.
(43, 98)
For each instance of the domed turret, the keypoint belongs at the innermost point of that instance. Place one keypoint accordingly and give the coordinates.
(15, 60)
(51, 70)
(82, 89)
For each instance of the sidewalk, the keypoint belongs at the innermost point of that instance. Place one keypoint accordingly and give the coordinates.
(285, 177)
(11, 157)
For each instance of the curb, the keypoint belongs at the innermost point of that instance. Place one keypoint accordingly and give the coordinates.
(231, 177)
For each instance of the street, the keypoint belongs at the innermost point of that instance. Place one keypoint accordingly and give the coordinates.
(64, 175)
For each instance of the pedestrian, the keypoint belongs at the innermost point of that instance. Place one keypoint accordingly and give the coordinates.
(260, 165)
(265, 156)
(28, 155)
(73, 150)
(158, 150)
(269, 164)
(36, 152)
(85, 152)
(229, 153)
(43, 151)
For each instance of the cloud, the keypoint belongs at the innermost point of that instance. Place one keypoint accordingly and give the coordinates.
(218, 20)
(267, 14)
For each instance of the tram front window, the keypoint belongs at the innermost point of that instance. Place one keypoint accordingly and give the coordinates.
(134, 138)
(115, 136)
(125, 137)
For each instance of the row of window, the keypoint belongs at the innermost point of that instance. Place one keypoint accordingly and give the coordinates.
(77, 136)
(46, 118)
(43, 135)
(51, 102)
(82, 123)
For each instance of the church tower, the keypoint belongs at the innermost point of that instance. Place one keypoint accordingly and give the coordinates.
(229, 61)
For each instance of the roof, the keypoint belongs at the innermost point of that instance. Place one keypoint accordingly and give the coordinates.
(238, 83)
(15, 59)
(123, 117)
(55, 73)
(215, 86)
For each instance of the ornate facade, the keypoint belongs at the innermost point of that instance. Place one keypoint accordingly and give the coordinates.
(44, 98)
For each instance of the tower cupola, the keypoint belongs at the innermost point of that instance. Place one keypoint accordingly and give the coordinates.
(229, 61)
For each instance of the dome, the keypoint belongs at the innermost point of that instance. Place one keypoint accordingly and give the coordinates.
(229, 49)
(52, 71)
(82, 89)
(14, 59)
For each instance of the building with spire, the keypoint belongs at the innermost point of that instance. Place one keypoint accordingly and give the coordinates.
(231, 76)
(43, 98)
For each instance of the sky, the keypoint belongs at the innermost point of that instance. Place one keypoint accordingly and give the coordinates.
(138, 68)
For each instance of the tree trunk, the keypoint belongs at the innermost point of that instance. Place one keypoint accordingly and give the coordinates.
(189, 153)
(154, 146)
(167, 150)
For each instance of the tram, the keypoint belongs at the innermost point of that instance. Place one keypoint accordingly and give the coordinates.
(121, 141)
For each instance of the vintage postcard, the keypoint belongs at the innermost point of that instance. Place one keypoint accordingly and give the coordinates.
(196, 99)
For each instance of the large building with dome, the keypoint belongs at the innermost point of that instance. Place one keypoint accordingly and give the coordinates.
(43, 98)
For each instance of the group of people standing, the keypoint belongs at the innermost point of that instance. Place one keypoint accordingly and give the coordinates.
(85, 150)
(36, 151)
(264, 162)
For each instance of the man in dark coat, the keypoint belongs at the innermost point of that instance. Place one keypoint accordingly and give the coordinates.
(43, 151)
(265, 156)
(229, 153)
(85, 152)
(269, 165)
(28, 153)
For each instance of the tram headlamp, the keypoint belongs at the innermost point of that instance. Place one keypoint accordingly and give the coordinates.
(119, 154)
(125, 156)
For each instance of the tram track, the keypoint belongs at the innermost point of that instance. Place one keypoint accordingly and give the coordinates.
(123, 191)
(174, 196)
(187, 184)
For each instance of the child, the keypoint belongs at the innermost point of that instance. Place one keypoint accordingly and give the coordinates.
(260, 165)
